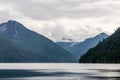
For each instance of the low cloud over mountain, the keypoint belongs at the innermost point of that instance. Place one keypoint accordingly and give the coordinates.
(59, 18)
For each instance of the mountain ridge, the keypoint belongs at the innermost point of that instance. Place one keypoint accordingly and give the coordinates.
(107, 51)
(47, 50)
(79, 48)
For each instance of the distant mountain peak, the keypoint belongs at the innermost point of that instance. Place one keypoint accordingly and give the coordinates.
(79, 48)
(103, 34)
(14, 23)
(99, 36)
(42, 49)
(9, 21)
(14, 28)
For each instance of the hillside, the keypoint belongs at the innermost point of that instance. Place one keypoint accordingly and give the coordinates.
(80, 48)
(10, 52)
(107, 51)
(45, 49)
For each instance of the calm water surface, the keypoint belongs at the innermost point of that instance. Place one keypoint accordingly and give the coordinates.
(59, 71)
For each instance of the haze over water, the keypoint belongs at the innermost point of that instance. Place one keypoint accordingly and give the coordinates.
(59, 71)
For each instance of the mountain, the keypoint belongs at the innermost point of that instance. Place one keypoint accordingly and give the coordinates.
(64, 45)
(10, 52)
(79, 48)
(45, 49)
(107, 51)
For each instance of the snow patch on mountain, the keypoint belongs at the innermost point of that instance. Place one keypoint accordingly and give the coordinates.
(73, 44)
(3, 28)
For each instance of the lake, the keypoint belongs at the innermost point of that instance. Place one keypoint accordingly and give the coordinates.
(59, 71)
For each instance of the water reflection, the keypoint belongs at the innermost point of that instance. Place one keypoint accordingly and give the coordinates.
(31, 73)
(59, 71)
(90, 74)
(105, 74)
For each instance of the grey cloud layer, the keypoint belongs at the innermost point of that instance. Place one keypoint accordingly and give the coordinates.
(66, 15)
(47, 9)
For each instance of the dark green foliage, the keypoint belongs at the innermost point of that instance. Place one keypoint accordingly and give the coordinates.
(107, 51)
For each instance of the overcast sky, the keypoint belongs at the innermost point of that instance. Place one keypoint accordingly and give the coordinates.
(56, 19)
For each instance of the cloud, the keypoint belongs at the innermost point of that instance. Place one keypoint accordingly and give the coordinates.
(76, 19)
